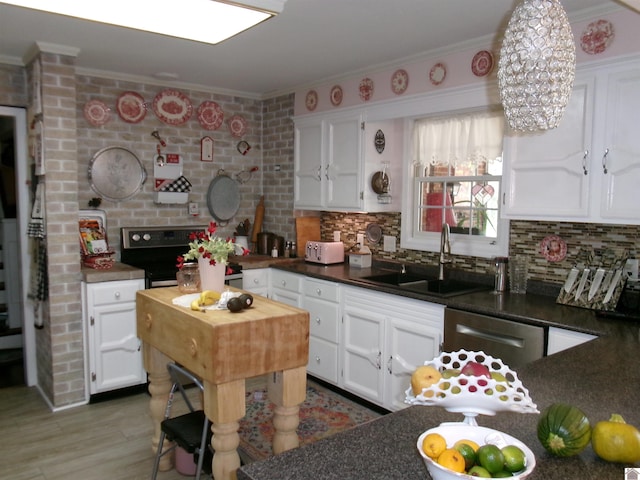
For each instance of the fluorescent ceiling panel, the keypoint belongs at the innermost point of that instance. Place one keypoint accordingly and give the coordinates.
(204, 21)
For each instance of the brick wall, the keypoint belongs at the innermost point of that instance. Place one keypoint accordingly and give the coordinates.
(13, 86)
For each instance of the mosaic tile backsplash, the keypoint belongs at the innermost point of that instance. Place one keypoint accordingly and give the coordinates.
(525, 238)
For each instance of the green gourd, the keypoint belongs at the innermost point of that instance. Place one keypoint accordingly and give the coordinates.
(564, 430)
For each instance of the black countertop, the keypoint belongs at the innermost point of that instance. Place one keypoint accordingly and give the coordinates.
(600, 377)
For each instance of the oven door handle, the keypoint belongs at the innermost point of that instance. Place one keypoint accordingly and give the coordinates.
(505, 339)
(163, 283)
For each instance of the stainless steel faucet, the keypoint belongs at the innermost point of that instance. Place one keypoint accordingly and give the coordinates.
(445, 249)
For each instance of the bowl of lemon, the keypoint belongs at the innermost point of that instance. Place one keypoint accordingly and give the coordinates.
(455, 451)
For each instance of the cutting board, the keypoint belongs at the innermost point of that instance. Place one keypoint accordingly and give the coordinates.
(307, 228)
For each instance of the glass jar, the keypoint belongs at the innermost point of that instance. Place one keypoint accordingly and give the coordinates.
(188, 278)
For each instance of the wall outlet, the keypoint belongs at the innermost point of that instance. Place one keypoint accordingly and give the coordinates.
(389, 243)
(360, 239)
(336, 236)
(193, 209)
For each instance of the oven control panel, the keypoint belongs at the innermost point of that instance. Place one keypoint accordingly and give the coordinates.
(147, 237)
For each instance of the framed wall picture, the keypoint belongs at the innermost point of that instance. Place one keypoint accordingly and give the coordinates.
(206, 149)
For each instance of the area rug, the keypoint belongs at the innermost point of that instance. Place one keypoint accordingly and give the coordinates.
(323, 413)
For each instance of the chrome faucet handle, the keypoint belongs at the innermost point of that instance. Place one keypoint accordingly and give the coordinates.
(404, 269)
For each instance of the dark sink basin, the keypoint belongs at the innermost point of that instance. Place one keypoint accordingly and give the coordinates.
(427, 285)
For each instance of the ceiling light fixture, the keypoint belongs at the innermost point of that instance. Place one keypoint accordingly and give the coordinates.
(205, 21)
(537, 65)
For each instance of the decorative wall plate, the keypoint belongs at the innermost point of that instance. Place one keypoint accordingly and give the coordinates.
(311, 101)
(553, 248)
(210, 115)
(131, 107)
(597, 37)
(437, 74)
(237, 126)
(399, 81)
(366, 89)
(172, 107)
(336, 95)
(97, 113)
(482, 63)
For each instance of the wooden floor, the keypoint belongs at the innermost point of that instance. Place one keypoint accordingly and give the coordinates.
(109, 440)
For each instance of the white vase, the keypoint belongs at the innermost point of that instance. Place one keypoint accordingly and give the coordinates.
(211, 276)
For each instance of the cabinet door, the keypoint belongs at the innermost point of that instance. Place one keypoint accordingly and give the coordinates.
(409, 344)
(618, 162)
(547, 174)
(363, 330)
(342, 170)
(309, 166)
(256, 281)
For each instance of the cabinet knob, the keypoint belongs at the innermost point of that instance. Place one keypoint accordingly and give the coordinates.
(284, 283)
(319, 292)
(318, 320)
(317, 359)
(117, 294)
(255, 280)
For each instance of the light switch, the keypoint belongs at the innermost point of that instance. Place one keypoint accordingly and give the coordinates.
(336, 236)
(389, 243)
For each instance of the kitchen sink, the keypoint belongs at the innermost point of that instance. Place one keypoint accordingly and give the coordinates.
(421, 284)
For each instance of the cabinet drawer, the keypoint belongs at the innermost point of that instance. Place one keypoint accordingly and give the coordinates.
(286, 280)
(319, 289)
(255, 279)
(114, 292)
(324, 318)
(323, 359)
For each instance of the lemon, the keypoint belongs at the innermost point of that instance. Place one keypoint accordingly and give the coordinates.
(433, 445)
(471, 443)
(453, 460)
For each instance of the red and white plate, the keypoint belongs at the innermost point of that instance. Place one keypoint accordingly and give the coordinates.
(482, 63)
(366, 89)
(311, 101)
(131, 107)
(237, 126)
(399, 81)
(597, 37)
(437, 74)
(336, 95)
(553, 248)
(172, 107)
(97, 113)
(210, 115)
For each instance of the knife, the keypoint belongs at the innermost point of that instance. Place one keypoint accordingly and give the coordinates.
(583, 282)
(607, 279)
(612, 287)
(595, 285)
(571, 279)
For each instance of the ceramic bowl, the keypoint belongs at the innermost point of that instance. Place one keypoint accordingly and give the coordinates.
(452, 432)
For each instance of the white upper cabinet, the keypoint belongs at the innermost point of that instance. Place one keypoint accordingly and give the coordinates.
(334, 166)
(588, 168)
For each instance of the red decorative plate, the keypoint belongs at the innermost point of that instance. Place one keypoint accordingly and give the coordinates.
(482, 63)
(336, 95)
(210, 115)
(553, 248)
(597, 37)
(237, 126)
(311, 101)
(131, 107)
(437, 74)
(172, 107)
(399, 81)
(366, 89)
(97, 113)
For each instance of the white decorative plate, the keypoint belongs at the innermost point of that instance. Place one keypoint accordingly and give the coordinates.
(172, 107)
(311, 101)
(97, 113)
(237, 126)
(210, 115)
(437, 74)
(399, 81)
(597, 37)
(482, 63)
(336, 95)
(366, 89)
(131, 107)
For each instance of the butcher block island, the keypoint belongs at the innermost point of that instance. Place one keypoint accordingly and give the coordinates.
(224, 349)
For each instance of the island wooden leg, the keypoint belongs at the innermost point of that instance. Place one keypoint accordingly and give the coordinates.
(155, 363)
(224, 405)
(287, 390)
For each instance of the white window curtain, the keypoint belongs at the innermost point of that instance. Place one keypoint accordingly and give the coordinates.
(462, 139)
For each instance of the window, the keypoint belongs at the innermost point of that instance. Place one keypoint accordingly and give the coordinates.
(457, 175)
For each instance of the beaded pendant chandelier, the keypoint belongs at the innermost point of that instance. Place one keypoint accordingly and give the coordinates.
(537, 65)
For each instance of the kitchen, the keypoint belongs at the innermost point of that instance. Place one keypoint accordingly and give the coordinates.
(272, 149)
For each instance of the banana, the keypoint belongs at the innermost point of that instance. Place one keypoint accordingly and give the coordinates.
(195, 305)
(209, 297)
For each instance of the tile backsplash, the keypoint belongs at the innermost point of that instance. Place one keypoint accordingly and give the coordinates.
(525, 238)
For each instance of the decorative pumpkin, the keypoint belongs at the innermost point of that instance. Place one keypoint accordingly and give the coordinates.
(616, 441)
(564, 430)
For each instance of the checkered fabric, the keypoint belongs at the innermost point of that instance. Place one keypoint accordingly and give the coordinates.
(180, 184)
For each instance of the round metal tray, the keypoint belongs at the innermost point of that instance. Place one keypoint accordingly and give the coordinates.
(223, 197)
(116, 174)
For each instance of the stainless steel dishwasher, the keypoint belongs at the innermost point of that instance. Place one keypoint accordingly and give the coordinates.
(514, 343)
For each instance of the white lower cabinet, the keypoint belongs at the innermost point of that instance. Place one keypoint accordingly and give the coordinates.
(256, 281)
(113, 349)
(286, 287)
(385, 337)
(561, 339)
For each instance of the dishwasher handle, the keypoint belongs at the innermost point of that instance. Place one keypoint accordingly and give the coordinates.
(499, 338)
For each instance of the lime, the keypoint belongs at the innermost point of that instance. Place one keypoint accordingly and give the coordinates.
(490, 457)
(468, 453)
(502, 474)
(478, 471)
(514, 459)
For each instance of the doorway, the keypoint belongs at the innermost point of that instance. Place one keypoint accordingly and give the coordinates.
(17, 332)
